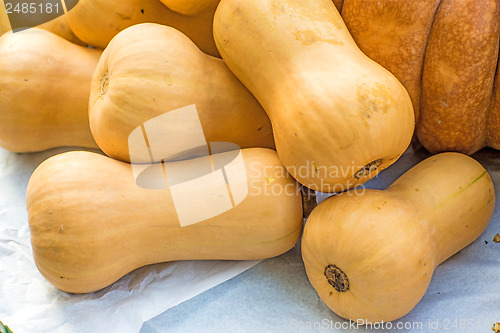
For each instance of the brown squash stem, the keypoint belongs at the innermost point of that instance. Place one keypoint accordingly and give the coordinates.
(308, 201)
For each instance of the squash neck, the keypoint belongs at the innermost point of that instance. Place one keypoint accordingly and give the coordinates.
(453, 195)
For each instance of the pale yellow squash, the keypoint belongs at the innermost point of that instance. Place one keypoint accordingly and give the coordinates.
(149, 70)
(91, 224)
(191, 7)
(96, 22)
(45, 87)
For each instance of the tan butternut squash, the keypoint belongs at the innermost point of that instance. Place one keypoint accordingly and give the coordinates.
(338, 117)
(371, 256)
(96, 22)
(91, 223)
(149, 70)
(191, 7)
(45, 87)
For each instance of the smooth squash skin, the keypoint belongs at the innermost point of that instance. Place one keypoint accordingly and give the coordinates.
(45, 87)
(96, 22)
(91, 224)
(148, 70)
(191, 7)
(338, 117)
(371, 257)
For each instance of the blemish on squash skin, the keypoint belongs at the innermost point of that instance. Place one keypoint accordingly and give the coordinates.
(53, 247)
(368, 169)
(310, 37)
(123, 17)
(443, 104)
(104, 84)
(315, 167)
(462, 189)
(374, 99)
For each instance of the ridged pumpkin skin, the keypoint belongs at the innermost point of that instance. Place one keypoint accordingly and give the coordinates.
(91, 224)
(445, 53)
(148, 70)
(96, 22)
(191, 7)
(338, 117)
(45, 87)
(384, 245)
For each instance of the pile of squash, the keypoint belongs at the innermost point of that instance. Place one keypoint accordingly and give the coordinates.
(284, 82)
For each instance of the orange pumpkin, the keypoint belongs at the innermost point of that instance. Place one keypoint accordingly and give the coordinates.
(445, 52)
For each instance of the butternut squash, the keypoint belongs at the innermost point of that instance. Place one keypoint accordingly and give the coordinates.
(149, 70)
(445, 53)
(91, 223)
(96, 22)
(191, 7)
(371, 256)
(338, 117)
(45, 87)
